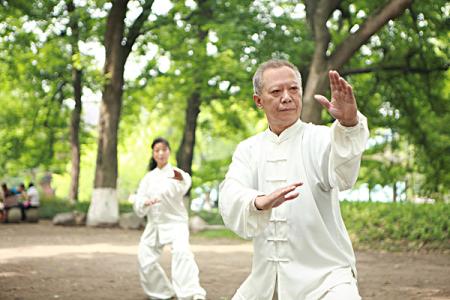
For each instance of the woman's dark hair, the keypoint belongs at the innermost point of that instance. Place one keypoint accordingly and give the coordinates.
(153, 164)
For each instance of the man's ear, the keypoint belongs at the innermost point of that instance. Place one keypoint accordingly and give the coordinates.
(258, 101)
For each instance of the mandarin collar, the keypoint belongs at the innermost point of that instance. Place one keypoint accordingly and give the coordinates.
(286, 134)
(167, 168)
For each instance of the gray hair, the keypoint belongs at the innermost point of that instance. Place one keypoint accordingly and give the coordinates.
(272, 64)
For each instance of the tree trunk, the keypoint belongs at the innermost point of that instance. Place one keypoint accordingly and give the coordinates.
(76, 113)
(104, 208)
(185, 152)
(317, 16)
(316, 84)
(318, 13)
(394, 192)
(74, 136)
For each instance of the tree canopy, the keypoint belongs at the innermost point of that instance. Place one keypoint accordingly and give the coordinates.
(188, 78)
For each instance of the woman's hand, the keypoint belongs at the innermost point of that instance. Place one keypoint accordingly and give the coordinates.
(177, 175)
(150, 202)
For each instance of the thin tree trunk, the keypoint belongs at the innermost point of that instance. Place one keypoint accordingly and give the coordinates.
(74, 137)
(394, 192)
(76, 113)
(185, 153)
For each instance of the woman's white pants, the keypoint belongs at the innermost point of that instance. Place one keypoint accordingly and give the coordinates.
(185, 274)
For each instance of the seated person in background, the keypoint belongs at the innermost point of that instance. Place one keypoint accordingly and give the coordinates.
(32, 196)
(22, 193)
(9, 200)
(2, 210)
(3, 194)
(22, 198)
(5, 191)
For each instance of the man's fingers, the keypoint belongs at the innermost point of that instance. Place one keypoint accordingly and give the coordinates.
(294, 185)
(349, 90)
(323, 101)
(288, 197)
(333, 80)
(288, 190)
(337, 83)
(292, 195)
(284, 194)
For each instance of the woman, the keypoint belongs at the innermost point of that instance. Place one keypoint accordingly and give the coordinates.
(160, 198)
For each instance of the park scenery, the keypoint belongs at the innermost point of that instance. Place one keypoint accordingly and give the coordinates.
(87, 85)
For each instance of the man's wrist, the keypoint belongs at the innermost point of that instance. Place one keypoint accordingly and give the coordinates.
(255, 203)
(350, 123)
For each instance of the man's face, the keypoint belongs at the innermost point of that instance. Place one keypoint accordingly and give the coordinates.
(280, 98)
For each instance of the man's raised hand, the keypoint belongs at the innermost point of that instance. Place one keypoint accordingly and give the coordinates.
(343, 103)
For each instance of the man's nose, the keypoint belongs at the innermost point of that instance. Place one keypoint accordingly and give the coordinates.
(285, 97)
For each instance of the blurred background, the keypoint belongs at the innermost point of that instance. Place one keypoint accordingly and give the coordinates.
(86, 85)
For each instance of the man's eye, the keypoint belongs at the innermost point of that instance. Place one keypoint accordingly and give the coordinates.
(294, 88)
(275, 92)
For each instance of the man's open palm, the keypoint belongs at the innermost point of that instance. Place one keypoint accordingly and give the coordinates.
(343, 103)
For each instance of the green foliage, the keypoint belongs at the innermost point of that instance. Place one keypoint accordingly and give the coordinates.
(406, 94)
(371, 225)
(396, 226)
(35, 91)
(51, 206)
(211, 217)
(218, 234)
(387, 226)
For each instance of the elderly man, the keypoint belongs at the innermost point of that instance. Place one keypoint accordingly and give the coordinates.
(281, 190)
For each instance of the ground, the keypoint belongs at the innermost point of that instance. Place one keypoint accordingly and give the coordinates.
(42, 261)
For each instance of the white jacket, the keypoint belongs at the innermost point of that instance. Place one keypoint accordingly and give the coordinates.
(303, 244)
(164, 218)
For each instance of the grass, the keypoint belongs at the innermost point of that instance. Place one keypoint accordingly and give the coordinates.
(217, 234)
(371, 225)
(51, 206)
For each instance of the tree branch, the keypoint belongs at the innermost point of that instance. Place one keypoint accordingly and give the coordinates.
(317, 16)
(353, 42)
(135, 29)
(405, 69)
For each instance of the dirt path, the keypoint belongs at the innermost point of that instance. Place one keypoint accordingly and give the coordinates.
(42, 261)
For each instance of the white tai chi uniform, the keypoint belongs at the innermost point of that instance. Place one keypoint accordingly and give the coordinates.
(301, 246)
(167, 223)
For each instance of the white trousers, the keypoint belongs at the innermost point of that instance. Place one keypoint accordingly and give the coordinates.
(185, 274)
(343, 291)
